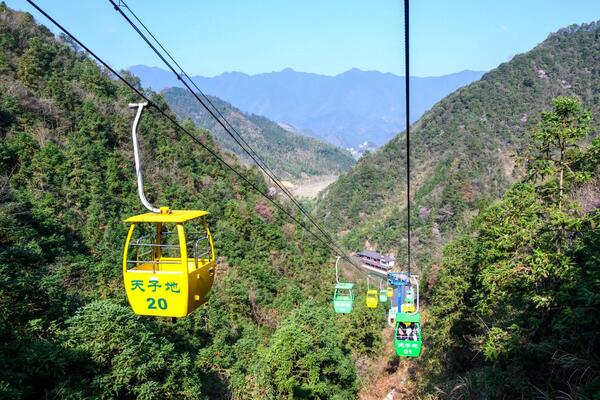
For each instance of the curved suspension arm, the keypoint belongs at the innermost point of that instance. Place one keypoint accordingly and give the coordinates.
(337, 280)
(136, 155)
(416, 283)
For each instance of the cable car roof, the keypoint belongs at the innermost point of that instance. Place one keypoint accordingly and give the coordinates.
(344, 285)
(406, 317)
(175, 216)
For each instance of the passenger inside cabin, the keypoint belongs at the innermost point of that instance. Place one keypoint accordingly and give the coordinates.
(402, 334)
(408, 333)
(411, 331)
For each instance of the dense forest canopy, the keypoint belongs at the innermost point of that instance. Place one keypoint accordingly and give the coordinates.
(66, 184)
(513, 302)
(289, 155)
(516, 309)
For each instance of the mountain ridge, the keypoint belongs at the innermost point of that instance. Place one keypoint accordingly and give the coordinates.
(461, 148)
(290, 69)
(346, 109)
(291, 155)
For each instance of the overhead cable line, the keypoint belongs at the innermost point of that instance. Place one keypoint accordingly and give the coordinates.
(229, 129)
(407, 95)
(188, 133)
(182, 74)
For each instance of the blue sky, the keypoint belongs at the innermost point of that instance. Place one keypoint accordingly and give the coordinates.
(321, 36)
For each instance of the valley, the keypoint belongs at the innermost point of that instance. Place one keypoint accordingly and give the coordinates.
(312, 187)
(504, 217)
(291, 155)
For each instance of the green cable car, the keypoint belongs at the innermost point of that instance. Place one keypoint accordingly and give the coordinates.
(343, 298)
(382, 295)
(407, 335)
(343, 295)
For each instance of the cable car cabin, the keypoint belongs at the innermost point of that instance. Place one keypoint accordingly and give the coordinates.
(372, 299)
(407, 335)
(343, 298)
(383, 296)
(390, 291)
(168, 262)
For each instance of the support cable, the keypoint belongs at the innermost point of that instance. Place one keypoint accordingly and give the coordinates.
(188, 133)
(407, 99)
(229, 129)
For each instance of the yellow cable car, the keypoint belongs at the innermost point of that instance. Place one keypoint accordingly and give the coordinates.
(390, 291)
(169, 258)
(168, 262)
(408, 308)
(372, 298)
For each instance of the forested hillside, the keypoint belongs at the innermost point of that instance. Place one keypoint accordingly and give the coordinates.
(462, 149)
(515, 311)
(506, 176)
(347, 109)
(67, 183)
(290, 155)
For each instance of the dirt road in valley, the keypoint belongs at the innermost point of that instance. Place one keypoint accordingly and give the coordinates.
(311, 187)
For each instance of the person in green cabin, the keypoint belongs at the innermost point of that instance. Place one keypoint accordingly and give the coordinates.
(401, 334)
(411, 332)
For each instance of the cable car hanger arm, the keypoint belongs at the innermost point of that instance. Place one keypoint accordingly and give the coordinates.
(136, 155)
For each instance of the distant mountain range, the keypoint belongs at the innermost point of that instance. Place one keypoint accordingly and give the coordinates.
(462, 150)
(291, 155)
(347, 110)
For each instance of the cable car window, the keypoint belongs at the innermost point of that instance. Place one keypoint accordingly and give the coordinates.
(197, 242)
(153, 246)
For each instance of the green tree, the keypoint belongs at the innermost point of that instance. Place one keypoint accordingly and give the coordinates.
(360, 331)
(120, 357)
(305, 358)
(554, 151)
(512, 307)
(34, 64)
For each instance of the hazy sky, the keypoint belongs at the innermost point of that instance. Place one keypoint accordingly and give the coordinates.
(209, 37)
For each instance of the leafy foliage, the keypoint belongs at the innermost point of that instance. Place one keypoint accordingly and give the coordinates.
(120, 355)
(290, 155)
(515, 309)
(306, 359)
(67, 182)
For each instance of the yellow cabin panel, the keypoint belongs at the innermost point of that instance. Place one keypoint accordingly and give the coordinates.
(200, 283)
(372, 298)
(168, 286)
(202, 275)
(159, 293)
(408, 308)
